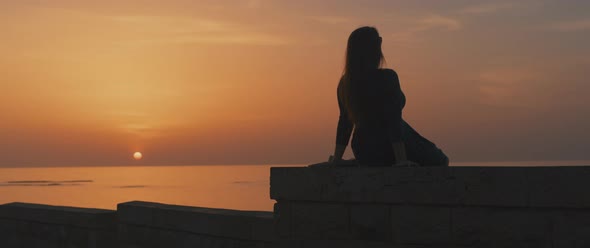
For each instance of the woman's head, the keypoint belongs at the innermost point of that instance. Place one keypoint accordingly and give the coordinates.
(363, 52)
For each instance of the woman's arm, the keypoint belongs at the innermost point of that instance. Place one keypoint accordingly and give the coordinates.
(343, 131)
(338, 153)
(399, 150)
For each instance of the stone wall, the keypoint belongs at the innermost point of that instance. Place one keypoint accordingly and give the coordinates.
(144, 224)
(459, 207)
(433, 207)
(41, 226)
(133, 225)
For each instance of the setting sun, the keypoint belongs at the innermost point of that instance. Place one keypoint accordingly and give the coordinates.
(137, 155)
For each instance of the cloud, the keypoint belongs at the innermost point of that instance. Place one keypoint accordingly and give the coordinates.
(486, 8)
(330, 19)
(438, 22)
(182, 30)
(570, 26)
(158, 29)
(403, 37)
(509, 87)
(429, 23)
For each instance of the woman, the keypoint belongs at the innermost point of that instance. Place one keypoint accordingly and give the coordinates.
(371, 102)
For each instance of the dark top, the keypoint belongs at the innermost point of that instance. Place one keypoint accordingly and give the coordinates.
(381, 124)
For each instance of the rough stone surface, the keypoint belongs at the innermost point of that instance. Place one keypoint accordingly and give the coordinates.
(319, 221)
(556, 187)
(370, 222)
(282, 219)
(571, 229)
(372, 185)
(501, 186)
(499, 227)
(245, 225)
(559, 187)
(80, 217)
(418, 225)
(34, 225)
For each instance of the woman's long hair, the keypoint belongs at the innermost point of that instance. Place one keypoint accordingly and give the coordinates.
(363, 57)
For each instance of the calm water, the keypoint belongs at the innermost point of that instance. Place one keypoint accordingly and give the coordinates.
(235, 187)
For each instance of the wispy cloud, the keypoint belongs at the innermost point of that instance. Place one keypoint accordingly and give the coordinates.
(438, 22)
(500, 87)
(330, 19)
(487, 8)
(570, 26)
(426, 24)
(163, 29)
(179, 30)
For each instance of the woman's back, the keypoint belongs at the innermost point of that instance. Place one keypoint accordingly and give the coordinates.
(376, 122)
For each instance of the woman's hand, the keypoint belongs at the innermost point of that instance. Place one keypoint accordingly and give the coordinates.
(406, 163)
(334, 159)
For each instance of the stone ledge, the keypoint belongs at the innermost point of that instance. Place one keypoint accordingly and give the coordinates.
(244, 225)
(59, 215)
(551, 187)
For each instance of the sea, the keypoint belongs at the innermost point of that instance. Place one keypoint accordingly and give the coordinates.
(242, 187)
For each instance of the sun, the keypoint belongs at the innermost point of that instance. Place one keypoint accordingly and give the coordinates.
(137, 155)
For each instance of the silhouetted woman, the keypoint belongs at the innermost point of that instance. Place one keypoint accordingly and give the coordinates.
(371, 102)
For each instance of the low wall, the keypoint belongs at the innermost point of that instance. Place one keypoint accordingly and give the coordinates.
(133, 225)
(459, 207)
(433, 207)
(42, 226)
(145, 224)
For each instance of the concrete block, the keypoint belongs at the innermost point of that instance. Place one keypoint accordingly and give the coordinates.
(207, 221)
(282, 219)
(296, 183)
(36, 242)
(14, 226)
(421, 225)
(491, 186)
(319, 221)
(71, 216)
(263, 229)
(204, 223)
(371, 222)
(136, 213)
(139, 236)
(502, 227)
(170, 238)
(422, 185)
(571, 229)
(346, 244)
(48, 232)
(103, 239)
(12, 233)
(551, 187)
(560, 187)
(190, 241)
(78, 237)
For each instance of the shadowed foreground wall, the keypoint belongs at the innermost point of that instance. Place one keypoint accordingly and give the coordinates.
(145, 224)
(433, 207)
(25, 225)
(459, 207)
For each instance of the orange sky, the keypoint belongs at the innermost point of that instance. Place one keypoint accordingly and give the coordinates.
(251, 82)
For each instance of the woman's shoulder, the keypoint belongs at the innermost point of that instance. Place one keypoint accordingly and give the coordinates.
(388, 73)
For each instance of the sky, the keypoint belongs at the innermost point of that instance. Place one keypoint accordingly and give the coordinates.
(254, 82)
